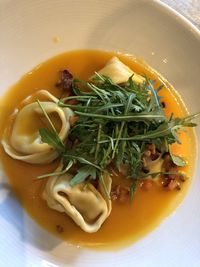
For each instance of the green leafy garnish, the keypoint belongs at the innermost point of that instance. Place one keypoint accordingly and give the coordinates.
(133, 189)
(83, 173)
(116, 123)
(57, 173)
(51, 138)
(178, 161)
(46, 116)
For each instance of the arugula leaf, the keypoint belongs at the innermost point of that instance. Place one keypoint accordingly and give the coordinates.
(133, 189)
(115, 124)
(52, 139)
(178, 161)
(128, 117)
(83, 173)
(46, 116)
(69, 165)
(154, 96)
(82, 160)
(101, 180)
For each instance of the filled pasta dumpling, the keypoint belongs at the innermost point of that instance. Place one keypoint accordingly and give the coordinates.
(24, 141)
(118, 72)
(86, 205)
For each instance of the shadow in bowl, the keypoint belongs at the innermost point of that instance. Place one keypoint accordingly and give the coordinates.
(26, 232)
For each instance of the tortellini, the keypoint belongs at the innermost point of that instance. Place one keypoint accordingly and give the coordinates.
(87, 206)
(118, 72)
(24, 142)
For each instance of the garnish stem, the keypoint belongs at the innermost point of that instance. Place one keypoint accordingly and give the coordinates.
(57, 173)
(46, 115)
(98, 139)
(139, 117)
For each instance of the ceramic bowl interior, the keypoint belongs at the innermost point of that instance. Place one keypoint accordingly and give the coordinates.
(33, 31)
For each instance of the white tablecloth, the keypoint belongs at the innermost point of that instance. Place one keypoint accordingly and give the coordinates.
(188, 8)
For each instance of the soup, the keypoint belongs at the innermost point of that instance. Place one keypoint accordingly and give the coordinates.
(128, 221)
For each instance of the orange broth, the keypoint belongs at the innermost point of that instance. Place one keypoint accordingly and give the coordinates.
(127, 222)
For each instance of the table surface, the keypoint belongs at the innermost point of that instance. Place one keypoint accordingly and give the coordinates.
(188, 8)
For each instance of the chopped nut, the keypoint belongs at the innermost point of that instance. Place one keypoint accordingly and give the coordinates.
(168, 163)
(145, 169)
(65, 81)
(155, 156)
(173, 184)
(152, 148)
(163, 104)
(147, 184)
(175, 171)
(147, 153)
(124, 195)
(120, 193)
(113, 196)
(181, 177)
(115, 192)
(113, 172)
(59, 228)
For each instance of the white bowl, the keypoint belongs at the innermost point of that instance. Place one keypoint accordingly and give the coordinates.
(147, 29)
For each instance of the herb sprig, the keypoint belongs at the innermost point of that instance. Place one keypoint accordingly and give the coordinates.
(115, 124)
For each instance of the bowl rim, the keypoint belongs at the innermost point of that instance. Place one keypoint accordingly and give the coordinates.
(189, 27)
(181, 18)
